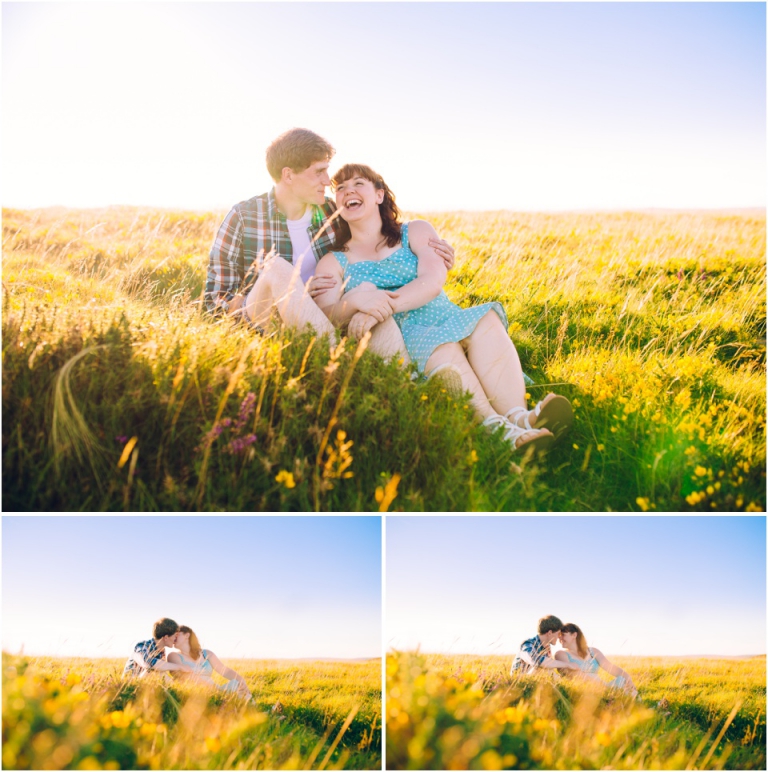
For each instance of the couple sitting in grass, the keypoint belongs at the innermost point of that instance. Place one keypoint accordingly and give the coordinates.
(574, 659)
(190, 661)
(352, 263)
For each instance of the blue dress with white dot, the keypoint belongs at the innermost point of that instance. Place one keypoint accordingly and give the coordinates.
(424, 329)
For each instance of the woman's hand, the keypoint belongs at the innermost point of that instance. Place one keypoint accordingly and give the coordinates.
(361, 323)
(444, 250)
(319, 284)
(376, 303)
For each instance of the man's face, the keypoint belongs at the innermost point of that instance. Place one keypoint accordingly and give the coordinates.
(309, 186)
(167, 640)
(550, 637)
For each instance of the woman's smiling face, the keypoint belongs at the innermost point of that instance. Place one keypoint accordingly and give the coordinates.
(357, 196)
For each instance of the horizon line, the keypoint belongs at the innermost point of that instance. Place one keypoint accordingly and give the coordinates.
(514, 653)
(648, 208)
(225, 656)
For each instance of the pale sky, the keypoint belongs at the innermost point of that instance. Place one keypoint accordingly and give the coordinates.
(635, 585)
(475, 106)
(254, 587)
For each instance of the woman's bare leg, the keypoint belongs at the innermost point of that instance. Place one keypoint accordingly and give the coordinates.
(280, 286)
(453, 353)
(494, 359)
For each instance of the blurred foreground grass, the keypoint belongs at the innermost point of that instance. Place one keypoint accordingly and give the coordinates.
(467, 712)
(79, 714)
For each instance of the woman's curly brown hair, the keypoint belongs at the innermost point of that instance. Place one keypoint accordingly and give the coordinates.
(390, 214)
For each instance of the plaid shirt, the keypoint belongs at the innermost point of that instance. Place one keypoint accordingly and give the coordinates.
(536, 650)
(152, 655)
(251, 230)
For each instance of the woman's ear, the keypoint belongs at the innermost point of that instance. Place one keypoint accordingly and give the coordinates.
(379, 196)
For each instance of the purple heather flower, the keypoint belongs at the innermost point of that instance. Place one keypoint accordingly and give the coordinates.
(239, 444)
(121, 438)
(246, 410)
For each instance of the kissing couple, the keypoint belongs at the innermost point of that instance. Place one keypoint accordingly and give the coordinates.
(187, 660)
(574, 659)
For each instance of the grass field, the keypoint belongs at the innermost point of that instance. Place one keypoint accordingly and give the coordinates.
(120, 394)
(467, 712)
(78, 714)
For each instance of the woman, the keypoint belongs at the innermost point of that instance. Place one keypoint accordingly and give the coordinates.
(387, 269)
(590, 660)
(204, 662)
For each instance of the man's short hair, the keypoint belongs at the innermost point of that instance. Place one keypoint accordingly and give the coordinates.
(164, 627)
(297, 149)
(549, 624)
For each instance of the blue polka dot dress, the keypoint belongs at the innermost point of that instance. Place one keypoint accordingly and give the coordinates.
(424, 329)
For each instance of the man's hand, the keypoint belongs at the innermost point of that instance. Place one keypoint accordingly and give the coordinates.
(236, 304)
(377, 303)
(360, 323)
(321, 283)
(444, 250)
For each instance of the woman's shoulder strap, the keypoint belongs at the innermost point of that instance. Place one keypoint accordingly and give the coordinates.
(342, 258)
(404, 235)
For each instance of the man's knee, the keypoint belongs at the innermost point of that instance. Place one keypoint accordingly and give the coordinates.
(387, 340)
(276, 270)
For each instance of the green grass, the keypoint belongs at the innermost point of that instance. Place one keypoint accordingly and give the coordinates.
(79, 714)
(120, 394)
(468, 712)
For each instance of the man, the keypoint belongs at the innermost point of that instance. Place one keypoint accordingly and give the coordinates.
(150, 655)
(536, 652)
(295, 220)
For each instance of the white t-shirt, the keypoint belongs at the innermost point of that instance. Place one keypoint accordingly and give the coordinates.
(300, 243)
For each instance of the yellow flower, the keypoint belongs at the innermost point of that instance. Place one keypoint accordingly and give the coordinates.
(753, 507)
(473, 459)
(491, 760)
(286, 478)
(424, 397)
(600, 447)
(119, 719)
(386, 495)
(694, 498)
(643, 503)
(700, 471)
(212, 744)
(603, 739)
